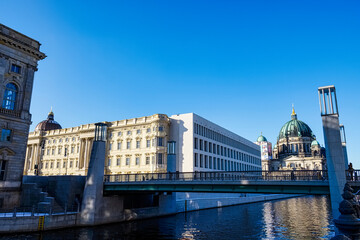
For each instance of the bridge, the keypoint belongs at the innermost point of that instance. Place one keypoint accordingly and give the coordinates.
(283, 182)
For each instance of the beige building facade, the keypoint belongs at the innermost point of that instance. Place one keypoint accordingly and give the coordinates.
(135, 145)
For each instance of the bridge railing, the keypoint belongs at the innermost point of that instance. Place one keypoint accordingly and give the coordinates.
(353, 175)
(298, 175)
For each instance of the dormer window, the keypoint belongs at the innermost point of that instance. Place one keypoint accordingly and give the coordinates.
(15, 69)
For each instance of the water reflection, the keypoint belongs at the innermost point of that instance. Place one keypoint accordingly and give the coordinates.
(297, 218)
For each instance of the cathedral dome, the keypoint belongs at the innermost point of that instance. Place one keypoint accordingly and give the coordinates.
(48, 124)
(261, 138)
(295, 128)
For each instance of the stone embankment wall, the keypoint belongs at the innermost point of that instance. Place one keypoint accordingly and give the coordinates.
(166, 207)
(186, 205)
(31, 223)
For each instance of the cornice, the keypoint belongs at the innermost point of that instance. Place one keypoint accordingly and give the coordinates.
(18, 45)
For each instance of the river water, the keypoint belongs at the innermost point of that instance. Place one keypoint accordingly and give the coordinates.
(306, 217)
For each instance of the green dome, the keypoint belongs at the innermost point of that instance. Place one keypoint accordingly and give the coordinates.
(314, 143)
(261, 139)
(295, 128)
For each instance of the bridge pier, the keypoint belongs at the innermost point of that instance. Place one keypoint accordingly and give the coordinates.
(95, 208)
(334, 152)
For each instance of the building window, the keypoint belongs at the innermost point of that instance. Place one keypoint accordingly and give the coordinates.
(137, 144)
(73, 139)
(137, 161)
(46, 165)
(66, 139)
(10, 95)
(127, 161)
(147, 161)
(119, 134)
(118, 162)
(195, 143)
(128, 132)
(210, 144)
(64, 164)
(109, 162)
(201, 160)
(72, 149)
(148, 130)
(58, 165)
(53, 151)
(206, 162)
(148, 143)
(153, 142)
(196, 160)
(205, 146)
(5, 135)
(65, 152)
(15, 68)
(201, 144)
(210, 161)
(160, 141)
(138, 131)
(51, 165)
(128, 144)
(110, 146)
(59, 151)
(71, 164)
(161, 128)
(160, 158)
(2, 170)
(119, 145)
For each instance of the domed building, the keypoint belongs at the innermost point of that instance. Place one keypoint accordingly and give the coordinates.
(48, 124)
(297, 148)
(266, 151)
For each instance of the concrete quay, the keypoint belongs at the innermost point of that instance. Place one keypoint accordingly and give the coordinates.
(9, 225)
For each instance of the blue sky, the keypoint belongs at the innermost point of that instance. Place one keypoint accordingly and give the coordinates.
(240, 64)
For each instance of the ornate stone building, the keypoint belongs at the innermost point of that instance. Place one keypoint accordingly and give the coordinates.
(139, 145)
(135, 145)
(266, 151)
(296, 148)
(19, 55)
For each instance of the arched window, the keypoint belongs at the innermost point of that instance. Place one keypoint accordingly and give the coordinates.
(9, 99)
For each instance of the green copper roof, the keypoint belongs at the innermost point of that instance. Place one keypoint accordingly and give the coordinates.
(295, 128)
(261, 138)
(314, 143)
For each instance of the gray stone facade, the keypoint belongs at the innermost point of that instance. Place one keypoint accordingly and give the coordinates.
(19, 55)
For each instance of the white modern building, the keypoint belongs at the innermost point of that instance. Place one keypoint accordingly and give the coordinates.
(204, 146)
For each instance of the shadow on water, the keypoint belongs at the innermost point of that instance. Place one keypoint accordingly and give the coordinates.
(296, 218)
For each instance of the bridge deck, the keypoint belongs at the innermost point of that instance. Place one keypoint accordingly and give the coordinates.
(283, 182)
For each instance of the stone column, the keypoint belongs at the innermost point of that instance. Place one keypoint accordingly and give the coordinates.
(81, 154)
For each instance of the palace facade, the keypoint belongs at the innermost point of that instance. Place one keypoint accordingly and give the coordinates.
(140, 145)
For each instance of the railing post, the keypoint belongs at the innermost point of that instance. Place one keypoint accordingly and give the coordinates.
(32, 210)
